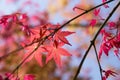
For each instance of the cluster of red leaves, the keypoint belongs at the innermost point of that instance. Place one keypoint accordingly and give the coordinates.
(93, 22)
(110, 40)
(96, 13)
(17, 19)
(108, 73)
(13, 77)
(52, 46)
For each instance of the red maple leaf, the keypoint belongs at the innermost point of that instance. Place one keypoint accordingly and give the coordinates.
(93, 22)
(117, 52)
(55, 51)
(105, 47)
(61, 35)
(96, 12)
(37, 54)
(111, 25)
(36, 33)
(107, 73)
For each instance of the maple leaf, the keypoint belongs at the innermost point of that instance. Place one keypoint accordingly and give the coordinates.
(116, 42)
(60, 35)
(104, 47)
(100, 52)
(116, 52)
(55, 51)
(111, 25)
(107, 73)
(96, 12)
(93, 22)
(109, 42)
(37, 54)
(36, 33)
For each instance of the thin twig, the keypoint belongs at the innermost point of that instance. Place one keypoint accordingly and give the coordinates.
(86, 53)
(100, 68)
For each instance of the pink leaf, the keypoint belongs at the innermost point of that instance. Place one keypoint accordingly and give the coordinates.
(61, 35)
(56, 53)
(38, 57)
(49, 56)
(37, 54)
(109, 72)
(116, 51)
(93, 22)
(64, 52)
(111, 25)
(100, 53)
(63, 39)
(96, 12)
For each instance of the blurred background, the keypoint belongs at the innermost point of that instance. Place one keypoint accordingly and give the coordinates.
(58, 11)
